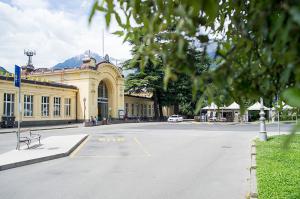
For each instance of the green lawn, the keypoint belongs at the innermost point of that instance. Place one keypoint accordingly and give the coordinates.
(278, 170)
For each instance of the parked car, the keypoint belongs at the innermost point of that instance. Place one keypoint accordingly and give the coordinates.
(175, 118)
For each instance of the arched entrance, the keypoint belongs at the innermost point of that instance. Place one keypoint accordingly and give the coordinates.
(102, 101)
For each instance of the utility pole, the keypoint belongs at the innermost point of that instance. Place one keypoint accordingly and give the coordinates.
(18, 84)
(84, 107)
(278, 116)
(262, 132)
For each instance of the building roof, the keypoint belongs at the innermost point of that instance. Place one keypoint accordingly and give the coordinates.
(50, 84)
(136, 96)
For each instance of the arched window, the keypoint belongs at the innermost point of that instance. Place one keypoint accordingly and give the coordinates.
(102, 90)
(102, 101)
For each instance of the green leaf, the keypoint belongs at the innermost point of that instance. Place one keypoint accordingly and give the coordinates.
(210, 8)
(296, 129)
(295, 12)
(118, 18)
(119, 33)
(107, 19)
(292, 96)
(93, 11)
(199, 105)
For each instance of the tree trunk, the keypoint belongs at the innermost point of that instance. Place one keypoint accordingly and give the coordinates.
(156, 114)
(176, 108)
(161, 113)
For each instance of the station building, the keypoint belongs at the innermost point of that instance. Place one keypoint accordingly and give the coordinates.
(92, 90)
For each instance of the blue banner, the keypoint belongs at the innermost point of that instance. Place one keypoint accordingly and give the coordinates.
(17, 76)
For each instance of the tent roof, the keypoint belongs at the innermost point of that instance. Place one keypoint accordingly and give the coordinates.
(256, 107)
(212, 106)
(285, 107)
(234, 105)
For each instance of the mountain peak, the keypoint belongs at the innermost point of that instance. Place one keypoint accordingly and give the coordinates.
(76, 61)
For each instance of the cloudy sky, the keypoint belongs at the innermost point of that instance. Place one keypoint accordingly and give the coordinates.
(56, 29)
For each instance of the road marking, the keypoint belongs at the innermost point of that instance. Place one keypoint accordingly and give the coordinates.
(102, 139)
(111, 156)
(79, 147)
(111, 139)
(142, 147)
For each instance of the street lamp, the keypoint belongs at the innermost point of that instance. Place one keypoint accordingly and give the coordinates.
(262, 132)
(84, 100)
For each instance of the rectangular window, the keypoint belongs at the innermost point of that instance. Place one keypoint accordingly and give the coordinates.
(137, 110)
(152, 110)
(145, 110)
(126, 108)
(56, 106)
(149, 110)
(9, 102)
(142, 112)
(28, 105)
(45, 106)
(132, 109)
(68, 106)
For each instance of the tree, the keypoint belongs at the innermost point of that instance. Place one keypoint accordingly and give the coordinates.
(179, 91)
(257, 41)
(149, 79)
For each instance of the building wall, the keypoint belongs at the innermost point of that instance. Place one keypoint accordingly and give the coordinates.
(137, 103)
(87, 82)
(37, 91)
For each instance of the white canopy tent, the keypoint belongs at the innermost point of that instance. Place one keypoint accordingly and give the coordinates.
(233, 106)
(212, 106)
(256, 107)
(287, 107)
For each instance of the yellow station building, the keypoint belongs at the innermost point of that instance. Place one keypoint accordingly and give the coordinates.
(93, 90)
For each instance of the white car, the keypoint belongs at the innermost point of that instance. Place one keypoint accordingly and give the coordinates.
(175, 118)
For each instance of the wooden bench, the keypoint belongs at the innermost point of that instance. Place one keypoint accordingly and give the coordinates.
(28, 139)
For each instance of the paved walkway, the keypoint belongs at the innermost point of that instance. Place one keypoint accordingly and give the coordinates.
(40, 128)
(145, 160)
(51, 148)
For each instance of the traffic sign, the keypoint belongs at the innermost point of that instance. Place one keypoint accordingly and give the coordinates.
(17, 76)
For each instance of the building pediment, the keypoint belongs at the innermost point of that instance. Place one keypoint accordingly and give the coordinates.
(108, 66)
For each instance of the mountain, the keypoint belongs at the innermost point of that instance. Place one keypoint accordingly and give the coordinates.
(76, 61)
(3, 71)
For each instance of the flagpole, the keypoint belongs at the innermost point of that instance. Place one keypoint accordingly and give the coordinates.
(103, 43)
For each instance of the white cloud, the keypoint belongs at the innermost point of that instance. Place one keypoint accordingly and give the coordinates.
(55, 34)
(30, 4)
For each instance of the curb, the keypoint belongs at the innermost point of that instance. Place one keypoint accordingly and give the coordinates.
(42, 159)
(253, 181)
(40, 129)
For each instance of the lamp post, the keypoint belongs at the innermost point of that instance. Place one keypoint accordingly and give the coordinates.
(262, 132)
(84, 100)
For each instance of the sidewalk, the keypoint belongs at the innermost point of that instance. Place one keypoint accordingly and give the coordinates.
(51, 148)
(40, 128)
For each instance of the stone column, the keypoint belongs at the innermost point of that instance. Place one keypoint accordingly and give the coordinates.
(262, 132)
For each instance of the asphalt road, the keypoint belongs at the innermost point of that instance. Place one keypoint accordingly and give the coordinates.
(141, 161)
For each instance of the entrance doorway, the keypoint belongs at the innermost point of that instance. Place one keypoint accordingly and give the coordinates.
(102, 101)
